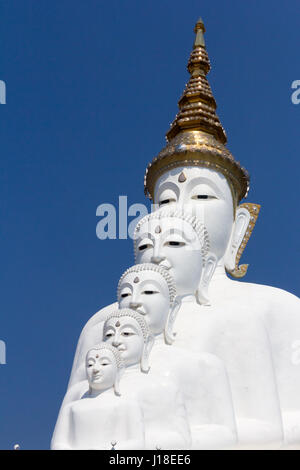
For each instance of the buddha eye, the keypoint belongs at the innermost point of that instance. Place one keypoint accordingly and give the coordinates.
(126, 294)
(175, 243)
(166, 201)
(144, 247)
(203, 196)
(149, 292)
(104, 363)
(108, 335)
(127, 333)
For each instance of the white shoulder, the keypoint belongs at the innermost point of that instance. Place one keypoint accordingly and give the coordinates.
(99, 316)
(269, 295)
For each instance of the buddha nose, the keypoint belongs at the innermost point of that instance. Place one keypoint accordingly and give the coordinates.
(116, 340)
(158, 255)
(135, 305)
(157, 259)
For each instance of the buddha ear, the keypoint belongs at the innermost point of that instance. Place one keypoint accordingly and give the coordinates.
(245, 220)
(119, 374)
(146, 353)
(206, 275)
(169, 334)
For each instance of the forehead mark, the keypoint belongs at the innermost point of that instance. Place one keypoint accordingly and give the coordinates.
(181, 177)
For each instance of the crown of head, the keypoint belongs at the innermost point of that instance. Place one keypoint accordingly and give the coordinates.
(196, 225)
(154, 268)
(108, 347)
(127, 312)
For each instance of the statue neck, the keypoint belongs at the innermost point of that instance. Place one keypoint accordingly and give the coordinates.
(95, 393)
(186, 298)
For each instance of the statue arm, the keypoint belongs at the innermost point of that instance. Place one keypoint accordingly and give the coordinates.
(63, 420)
(136, 428)
(61, 435)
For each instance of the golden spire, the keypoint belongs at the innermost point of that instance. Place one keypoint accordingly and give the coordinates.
(196, 136)
(197, 106)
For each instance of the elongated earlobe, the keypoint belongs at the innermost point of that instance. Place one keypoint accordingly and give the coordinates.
(117, 381)
(146, 354)
(207, 274)
(117, 386)
(169, 333)
(245, 220)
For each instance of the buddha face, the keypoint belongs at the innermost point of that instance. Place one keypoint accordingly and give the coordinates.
(101, 369)
(147, 293)
(125, 334)
(172, 243)
(204, 192)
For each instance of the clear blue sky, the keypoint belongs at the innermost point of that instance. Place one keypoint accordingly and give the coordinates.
(91, 89)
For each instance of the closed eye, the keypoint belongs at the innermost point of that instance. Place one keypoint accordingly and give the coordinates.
(175, 244)
(150, 292)
(203, 196)
(144, 247)
(126, 333)
(166, 201)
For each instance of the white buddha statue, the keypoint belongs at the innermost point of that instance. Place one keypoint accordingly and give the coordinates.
(195, 171)
(150, 290)
(101, 416)
(159, 396)
(178, 242)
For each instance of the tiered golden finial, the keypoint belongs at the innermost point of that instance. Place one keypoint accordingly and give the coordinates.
(197, 104)
(196, 136)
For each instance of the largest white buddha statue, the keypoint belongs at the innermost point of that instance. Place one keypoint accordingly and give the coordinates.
(195, 172)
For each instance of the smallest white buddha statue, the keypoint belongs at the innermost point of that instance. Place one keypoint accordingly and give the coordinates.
(102, 416)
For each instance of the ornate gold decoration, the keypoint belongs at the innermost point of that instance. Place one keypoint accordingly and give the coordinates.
(240, 271)
(196, 136)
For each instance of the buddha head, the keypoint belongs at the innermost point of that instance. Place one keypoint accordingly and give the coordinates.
(178, 242)
(104, 366)
(197, 173)
(128, 331)
(150, 290)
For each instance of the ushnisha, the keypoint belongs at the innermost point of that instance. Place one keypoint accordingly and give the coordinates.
(101, 416)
